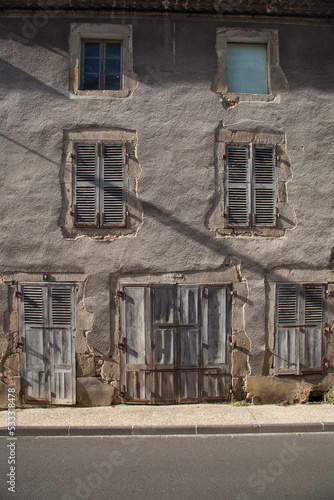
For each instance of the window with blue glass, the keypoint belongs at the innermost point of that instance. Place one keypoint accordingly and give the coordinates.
(102, 65)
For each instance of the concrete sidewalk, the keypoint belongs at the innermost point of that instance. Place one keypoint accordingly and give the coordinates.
(160, 420)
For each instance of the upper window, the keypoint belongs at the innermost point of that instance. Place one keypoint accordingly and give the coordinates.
(99, 184)
(101, 68)
(248, 66)
(101, 61)
(253, 169)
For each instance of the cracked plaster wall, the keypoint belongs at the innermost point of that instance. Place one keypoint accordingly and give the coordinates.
(175, 115)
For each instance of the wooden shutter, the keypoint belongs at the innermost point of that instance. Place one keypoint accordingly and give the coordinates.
(311, 348)
(264, 185)
(136, 327)
(216, 358)
(238, 185)
(62, 344)
(286, 359)
(113, 192)
(164, 338)
(35, 358)
(48, 360)
(86, 185)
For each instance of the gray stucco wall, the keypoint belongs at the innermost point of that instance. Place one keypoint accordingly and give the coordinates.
(175, 115)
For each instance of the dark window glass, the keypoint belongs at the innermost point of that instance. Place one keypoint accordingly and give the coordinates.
(113, 82)
(92, 49)
(90, 82)
(113, 66)
(113, 50)
(91, 65)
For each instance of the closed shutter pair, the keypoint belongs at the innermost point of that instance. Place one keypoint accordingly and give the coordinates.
(250, 185)
(299, 344)
(99, 192)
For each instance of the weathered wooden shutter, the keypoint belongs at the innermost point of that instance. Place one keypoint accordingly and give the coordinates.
(62, 344)
(113, 193)
(163, 343)
(286, 359)
(188, 342)
(214, 328)
(264, 185)
(86, 185)
(136, 337)
(311, 342)
(35, 358)
(238, 185)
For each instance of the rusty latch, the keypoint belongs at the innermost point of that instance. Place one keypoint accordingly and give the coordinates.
(18, 294)
(326, 329)
(121, 345)
(234, 293)
(20, 345)
(120, 293)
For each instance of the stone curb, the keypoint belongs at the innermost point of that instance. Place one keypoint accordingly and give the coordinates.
(186, 430)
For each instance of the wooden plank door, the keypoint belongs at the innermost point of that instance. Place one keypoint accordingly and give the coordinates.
(136, 326)
(188, 359)
(163, 344)
(215, 329)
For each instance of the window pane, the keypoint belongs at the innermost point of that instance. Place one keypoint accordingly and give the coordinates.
(113, 82)
(91, 65)
(92, 49)
(247, 68)
(113, 66)
(90, 82)
(113, 50)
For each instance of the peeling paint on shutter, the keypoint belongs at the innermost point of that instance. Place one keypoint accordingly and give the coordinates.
(86, 184)
(264, 185)
(113, 193)
(238, 185)
(286, 341)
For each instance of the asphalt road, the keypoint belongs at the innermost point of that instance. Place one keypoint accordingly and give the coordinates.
(232, 467)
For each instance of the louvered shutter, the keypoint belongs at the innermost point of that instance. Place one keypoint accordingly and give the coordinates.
(62, 344)
(264, 185)
(286, 358)
(311, 346)
(86, 185)
(35, 358)
(238, 185)
(113, 193)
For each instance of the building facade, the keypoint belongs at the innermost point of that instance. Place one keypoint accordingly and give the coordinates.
(167, 201)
